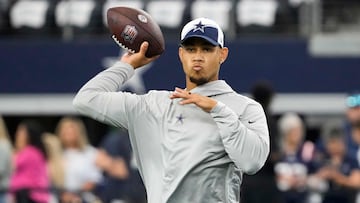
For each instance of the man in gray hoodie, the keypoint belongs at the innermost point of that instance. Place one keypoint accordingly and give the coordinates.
(192, 144)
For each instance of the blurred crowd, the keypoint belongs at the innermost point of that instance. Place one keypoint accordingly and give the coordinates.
(44, 167)
(61, 166)
(306, 168)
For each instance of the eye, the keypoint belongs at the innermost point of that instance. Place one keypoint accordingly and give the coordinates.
(190, 49)
(208, 49)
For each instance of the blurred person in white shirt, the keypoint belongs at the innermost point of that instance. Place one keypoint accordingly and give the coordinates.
(80, 171)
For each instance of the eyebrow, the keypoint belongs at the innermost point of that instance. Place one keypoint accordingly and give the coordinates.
(204, 43)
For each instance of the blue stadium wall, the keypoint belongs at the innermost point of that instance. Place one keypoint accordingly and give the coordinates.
(49, 66)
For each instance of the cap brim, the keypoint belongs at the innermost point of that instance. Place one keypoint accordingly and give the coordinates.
(213, 42)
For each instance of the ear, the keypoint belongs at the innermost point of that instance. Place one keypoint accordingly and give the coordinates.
(181, 51)
(223, 54)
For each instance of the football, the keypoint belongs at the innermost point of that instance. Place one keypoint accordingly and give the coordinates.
(130, 27)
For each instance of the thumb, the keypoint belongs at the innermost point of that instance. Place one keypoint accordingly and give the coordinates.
(144, 47)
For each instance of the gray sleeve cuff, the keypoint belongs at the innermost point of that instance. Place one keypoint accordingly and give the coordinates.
(217, 108)
(125, 68)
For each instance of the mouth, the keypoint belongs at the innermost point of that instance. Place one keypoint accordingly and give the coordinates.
(197, 68)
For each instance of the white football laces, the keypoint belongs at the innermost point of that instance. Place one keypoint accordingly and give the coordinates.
(122, 45)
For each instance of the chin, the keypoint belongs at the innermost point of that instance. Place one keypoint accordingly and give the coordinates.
(198, 81)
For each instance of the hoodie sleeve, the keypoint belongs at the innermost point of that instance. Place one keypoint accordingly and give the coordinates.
(101, 100)
(246, 139)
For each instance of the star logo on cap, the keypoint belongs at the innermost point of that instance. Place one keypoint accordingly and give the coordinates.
(200, 27)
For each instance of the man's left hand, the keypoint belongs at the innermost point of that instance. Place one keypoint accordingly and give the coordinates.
(205, 103)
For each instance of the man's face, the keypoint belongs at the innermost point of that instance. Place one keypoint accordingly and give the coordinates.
(201, 60)
(295, 135)
(335, 147)
(353, 114)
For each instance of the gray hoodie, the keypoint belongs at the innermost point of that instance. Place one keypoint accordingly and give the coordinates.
(184, 154)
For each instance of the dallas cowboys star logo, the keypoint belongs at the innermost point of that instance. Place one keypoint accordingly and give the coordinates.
(199, 27)
(180, 119)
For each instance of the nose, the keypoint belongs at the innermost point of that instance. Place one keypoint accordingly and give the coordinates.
(198, 56)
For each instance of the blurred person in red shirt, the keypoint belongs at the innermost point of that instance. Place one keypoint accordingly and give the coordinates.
(29, 182)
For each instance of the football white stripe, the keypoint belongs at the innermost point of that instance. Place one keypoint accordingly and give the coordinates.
(122, 45)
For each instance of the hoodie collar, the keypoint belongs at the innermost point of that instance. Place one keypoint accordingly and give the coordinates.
(213, 88)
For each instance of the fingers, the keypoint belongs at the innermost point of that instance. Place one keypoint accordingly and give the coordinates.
(187, 97)
(138, 59)
(180, 93)
(144, 47)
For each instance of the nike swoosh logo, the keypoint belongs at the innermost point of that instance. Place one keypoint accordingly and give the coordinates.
(251, 122)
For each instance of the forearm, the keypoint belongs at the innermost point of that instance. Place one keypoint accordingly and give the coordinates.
(109, 80)
(248, 148)
(351, 181)
(88, 186)
(97, 95)
(118, 169)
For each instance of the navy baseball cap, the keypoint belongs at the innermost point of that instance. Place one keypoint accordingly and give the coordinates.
(203, 28)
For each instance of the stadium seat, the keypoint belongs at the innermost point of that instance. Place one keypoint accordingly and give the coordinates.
(256, 12)
(74, 13)
(113, 3)
(29, 14)
(220, 11)
(167, 14)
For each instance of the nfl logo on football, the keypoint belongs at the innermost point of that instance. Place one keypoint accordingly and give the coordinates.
(129, 33)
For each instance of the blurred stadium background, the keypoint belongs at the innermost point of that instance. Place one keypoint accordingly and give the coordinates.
(308, 51)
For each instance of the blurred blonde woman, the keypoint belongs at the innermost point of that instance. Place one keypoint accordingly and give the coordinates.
(5, 160)
(80, 172)
(55, 163)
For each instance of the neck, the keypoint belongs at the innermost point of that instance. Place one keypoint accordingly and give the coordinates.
(291, 147)
(336, 159)
(190, 85)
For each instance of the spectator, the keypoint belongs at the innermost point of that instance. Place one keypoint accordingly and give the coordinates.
(295, 160)
(55, 163)
(29, 181)
(80, 172)
(121, 181)
(5, 160)
(263, 93)
(356, 137)
(340, 173)
(353, 117)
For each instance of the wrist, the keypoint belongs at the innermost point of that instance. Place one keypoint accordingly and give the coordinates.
(128, 62)
(212, 105)
(217, 107)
